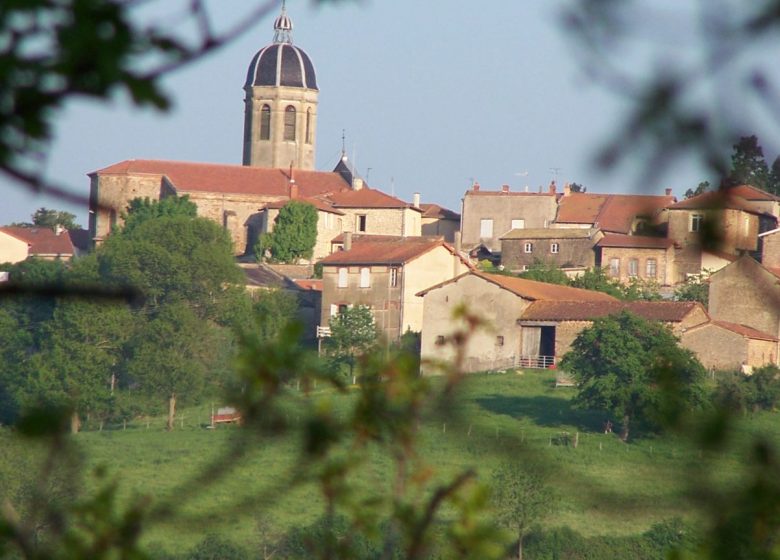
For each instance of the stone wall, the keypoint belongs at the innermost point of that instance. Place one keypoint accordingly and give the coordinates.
(384, 221)
(538, 211)
(771, 250)
(716, 347)
(572, 253)
(110, 196)
(746, 293)
(664, 259)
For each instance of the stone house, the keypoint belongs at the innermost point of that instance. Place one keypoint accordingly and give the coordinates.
(747, 293)
(437, 220)
(498, 301)
(551, 326)
(488, 215)
(718, 223)
(637, 257)
(386, 273)
(370, 211)
(20, 243)
(721, 345)
(570, 249)
(230, 195)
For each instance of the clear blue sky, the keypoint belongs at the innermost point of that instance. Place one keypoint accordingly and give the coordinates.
(432, 94)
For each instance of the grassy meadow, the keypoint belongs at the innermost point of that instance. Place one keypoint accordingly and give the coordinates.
(602, 486)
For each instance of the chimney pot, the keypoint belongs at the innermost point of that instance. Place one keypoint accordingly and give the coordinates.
(668, 192)
(475, 186)
(552, 187)
(416, 200)
(293, 190)
(504, 188)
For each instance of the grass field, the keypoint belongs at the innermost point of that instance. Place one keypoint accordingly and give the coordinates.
(602, 486)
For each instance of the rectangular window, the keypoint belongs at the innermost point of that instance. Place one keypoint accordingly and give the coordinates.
(614, 267)
(393, 277)
(554, 247)
(360, 222)
(651, 268)
(697, 221)
(365, 277)
(343, 277)
(440, 340)
(518, 224)
(633, 267)
(528, 248)
(334, 309)
(499, 340)
(486, 228)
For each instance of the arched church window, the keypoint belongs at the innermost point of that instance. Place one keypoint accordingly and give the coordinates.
(289, 123)
(308, 126)
(265, 123)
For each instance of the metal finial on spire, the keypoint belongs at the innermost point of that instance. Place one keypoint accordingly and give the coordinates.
(283, 26)
(343, 143)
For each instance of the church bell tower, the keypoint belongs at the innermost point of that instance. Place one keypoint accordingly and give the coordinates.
(280, 106)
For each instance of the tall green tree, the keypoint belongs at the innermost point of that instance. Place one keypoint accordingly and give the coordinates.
(294, 234)
(773, 181)
(747, 163)
(634, 369)
(701, 188)
(353, 335)
(171, 357)
(45, 217)
(521, 500)
(543, 272)
(142, 209)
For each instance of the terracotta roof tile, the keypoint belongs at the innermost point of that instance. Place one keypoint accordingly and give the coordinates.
(714, 200)
(665, 311)
(367, 198)
(611, 212)
(314, 285)
(635, 241)
(436, 211)
(531, 289)
(234, 179)
(745, 331)
(385, 250)
(41, 240)
(749, 192)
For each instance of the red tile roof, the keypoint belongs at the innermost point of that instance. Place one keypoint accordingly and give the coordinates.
(314, 285)
(42, 241)
(713, 200)
(436, 211)
(610, 212)
(665, 311)
(745, 331)
(234, 179)
(634, 241)
(531, 289)
(749, 192)
(384, 250)
(367, 198)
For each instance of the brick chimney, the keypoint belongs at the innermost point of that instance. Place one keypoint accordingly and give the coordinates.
(416, 200)
(475, 186)
(668, 192)
(566, 189)
(552, 188)
(347, 240)
(504, 188)
(357, 184)
(293, 190)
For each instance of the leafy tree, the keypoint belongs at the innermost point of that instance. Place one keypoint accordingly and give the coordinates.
(353, 335)
(521, 500)
(747, 163)
(142, 209)
(634, 369)
(577, 187)
(172, 356)
(173, 258)
(542, 272)
(273, 311)
(596, 278)
(44, 217)
(701, 188)
(639, 289)
(695, 288)
(294, 234)
(773, 180)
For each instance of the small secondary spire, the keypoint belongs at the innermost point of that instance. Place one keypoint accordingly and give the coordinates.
(283, 26)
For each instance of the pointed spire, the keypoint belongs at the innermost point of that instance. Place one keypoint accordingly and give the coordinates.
(283, 26)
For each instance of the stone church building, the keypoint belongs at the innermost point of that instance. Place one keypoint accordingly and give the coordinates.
(279, 149)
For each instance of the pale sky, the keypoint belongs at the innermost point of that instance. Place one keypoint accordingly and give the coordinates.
(432, 95)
